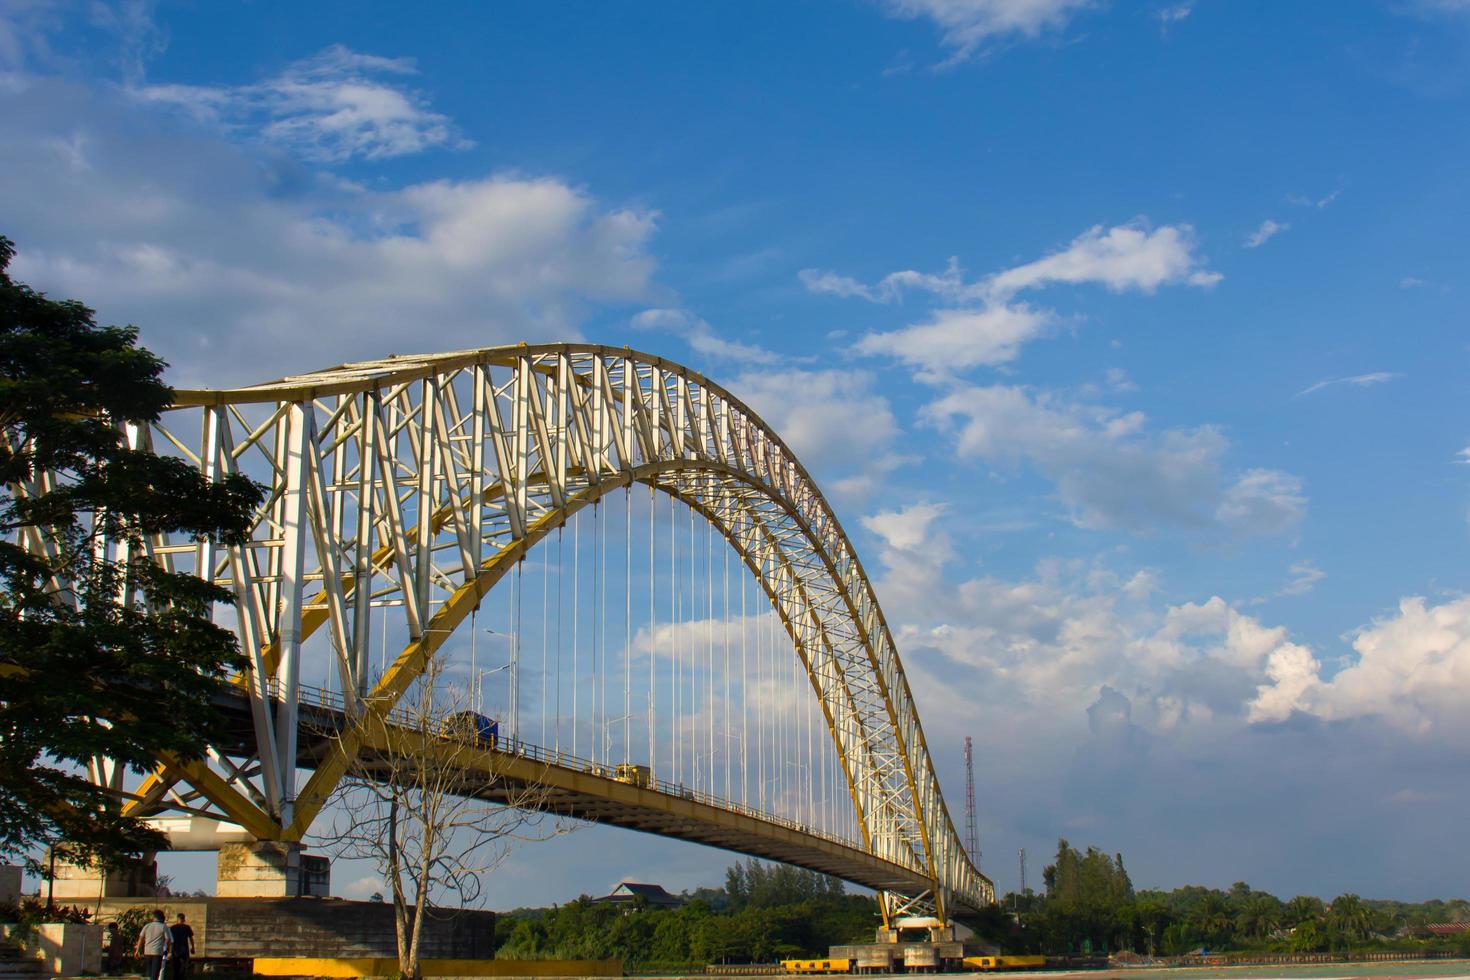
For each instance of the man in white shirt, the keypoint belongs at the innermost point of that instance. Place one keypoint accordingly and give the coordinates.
(154, 945)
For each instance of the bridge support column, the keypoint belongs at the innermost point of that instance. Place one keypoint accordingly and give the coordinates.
(75, 883)
(271, 869)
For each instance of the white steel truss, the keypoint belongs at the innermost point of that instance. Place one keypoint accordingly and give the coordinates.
(415, 483)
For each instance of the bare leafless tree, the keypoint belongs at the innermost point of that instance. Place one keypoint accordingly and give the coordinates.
(435, 802)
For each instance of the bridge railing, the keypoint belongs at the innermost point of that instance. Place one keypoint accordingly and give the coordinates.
(400, 715)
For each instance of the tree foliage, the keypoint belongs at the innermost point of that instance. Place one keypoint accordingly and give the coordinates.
(765, 912)
(105, 653)
(1091, 907)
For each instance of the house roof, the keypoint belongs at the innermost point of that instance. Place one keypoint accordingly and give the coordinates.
(1447, 928)
(628, 890)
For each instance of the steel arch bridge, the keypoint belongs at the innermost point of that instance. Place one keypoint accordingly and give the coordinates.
(413, 485)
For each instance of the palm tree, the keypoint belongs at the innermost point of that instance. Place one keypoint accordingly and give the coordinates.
(1350, 916)
(1303, 908)
(1259, 916)
(1212, 916)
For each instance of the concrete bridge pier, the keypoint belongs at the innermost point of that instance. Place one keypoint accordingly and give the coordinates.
(271, 869)
(76, 884)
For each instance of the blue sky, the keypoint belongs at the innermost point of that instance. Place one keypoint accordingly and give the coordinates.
(1127, 339)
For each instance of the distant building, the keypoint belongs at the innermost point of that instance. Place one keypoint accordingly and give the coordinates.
(1447, 928)
(628, 893)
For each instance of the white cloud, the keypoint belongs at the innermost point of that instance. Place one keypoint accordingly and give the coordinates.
(1450, 7)
(969, 24)
(1304, 578)
(1175, 13)
(1305, 201)
(1262, 501)
(327, 108)
(1135, 256)
(1356, 380)
(953, 340)
(1112, 471)
(1122, 258)
(840, 428)
(239, 269)
(981, 324)
(363, 888)
(906, 529)
(701, 337)
(1268, 230)
(1412, 671)
(949, 284)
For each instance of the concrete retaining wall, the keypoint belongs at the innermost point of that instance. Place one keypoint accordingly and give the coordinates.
(66, 949)
(315, 927)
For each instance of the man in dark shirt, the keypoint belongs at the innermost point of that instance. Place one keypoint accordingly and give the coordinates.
(183, 937)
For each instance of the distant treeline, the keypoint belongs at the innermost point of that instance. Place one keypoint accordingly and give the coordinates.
(766, 912)
(1090, 906)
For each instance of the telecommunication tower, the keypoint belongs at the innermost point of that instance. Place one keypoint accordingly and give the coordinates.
(972, 833)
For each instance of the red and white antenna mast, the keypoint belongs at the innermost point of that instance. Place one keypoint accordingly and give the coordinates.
(972, 833)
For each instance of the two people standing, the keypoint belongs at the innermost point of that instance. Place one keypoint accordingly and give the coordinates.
(159, 944)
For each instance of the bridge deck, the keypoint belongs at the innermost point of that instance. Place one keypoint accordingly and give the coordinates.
(573, 787)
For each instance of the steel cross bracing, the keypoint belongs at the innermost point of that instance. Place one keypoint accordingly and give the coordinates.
(416, 483)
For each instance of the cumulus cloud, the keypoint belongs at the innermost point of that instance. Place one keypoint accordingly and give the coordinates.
(1268, 230)
(906, 529)
(239, 268)
(967, 25)
(328, 108)
(1113, 471)
(1356, 380)
(1412, 671)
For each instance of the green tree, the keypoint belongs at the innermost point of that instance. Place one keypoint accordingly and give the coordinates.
(86, 675)
(1303, 908)
(1308, 938)
(1259, 915)
(1349, 916)
(1211, 918)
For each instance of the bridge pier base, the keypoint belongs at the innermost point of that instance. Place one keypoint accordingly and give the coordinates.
(271, 869)
(73, 883)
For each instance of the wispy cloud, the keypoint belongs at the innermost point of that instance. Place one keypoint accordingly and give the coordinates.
(980, 323)
(1268, 230)
(1357, 380)
(1304, 201)
(701, 337)
(967, 26)
(328, 108)
(1174, 13)
(1413, 282)
(1113, 470)
(1304, 578)
(1439, 7)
